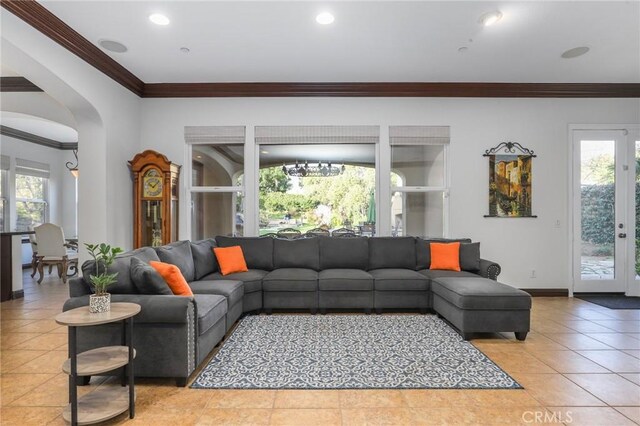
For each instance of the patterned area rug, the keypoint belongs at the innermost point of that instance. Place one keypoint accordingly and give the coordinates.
(349, 352)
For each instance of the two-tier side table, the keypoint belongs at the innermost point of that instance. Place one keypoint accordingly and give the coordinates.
(105, 402)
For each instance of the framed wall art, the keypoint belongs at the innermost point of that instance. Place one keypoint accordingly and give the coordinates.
(510, 175)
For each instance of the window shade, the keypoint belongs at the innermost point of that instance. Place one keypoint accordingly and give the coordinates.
(32, 168)
(4, 162)
(419, 135)
(215, 134)
(278, 135)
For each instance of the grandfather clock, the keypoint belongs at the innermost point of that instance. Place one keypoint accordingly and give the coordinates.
(155, 199)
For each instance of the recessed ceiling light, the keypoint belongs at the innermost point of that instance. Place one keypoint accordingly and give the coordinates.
(575, 52)
(112, 46)
(159, 19)
(185, 50)
(198, 156)
(264, 151)
(490, 18)
(325, 18)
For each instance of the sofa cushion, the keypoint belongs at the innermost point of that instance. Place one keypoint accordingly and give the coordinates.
(146, 279)
(392, 252)
(210, 309)
(480, 293)
(344, 280)
(122, 266)
(291, 279)
(423, 250)
(232, 290)
(470, 257)
(399, 280)
(300, 253)
(173, 277)
(204, 261)
(179, 254)
(438, 273)
(351, 253)
(252, 279)
(258, 251)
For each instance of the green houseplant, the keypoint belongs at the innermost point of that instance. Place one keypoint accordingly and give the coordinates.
(104, 255)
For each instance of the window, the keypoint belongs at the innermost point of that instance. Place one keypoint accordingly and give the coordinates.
(419, 183)
(217, 186)
(32, 187)
(4, 205)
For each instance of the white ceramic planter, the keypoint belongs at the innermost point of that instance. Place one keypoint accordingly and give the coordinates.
(99, 303)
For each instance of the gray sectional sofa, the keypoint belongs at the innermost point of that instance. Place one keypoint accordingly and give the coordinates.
(174, 334)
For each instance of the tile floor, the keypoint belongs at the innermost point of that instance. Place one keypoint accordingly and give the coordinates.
(580, 365)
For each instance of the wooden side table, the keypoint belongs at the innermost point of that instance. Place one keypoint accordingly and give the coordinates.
(101, 404)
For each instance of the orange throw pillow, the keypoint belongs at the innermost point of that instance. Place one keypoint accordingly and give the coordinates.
(230, 259)
(445, 256)
(172, 275)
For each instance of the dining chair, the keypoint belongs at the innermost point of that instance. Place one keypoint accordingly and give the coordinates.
(289, 233)
(52, 250)
(34, 251)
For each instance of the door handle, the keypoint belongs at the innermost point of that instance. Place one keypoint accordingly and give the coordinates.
(622, 235)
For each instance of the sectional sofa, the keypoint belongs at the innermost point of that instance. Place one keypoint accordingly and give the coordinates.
(174, 334)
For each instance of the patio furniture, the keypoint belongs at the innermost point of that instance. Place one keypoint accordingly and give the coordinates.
(317, 232)
(343, 232)
(289, 233)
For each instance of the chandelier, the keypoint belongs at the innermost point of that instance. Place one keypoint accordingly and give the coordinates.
(319, 170)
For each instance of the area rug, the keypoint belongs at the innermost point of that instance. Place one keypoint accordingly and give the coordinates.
(611, 301)
(349, 352)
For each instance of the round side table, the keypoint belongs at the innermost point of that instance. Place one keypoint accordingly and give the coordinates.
(101, 404)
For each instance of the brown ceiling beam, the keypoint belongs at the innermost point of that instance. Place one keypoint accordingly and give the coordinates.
(53, 27)
(17, 84)
(464, 90)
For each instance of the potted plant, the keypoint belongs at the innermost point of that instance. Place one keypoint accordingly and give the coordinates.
(104, 255)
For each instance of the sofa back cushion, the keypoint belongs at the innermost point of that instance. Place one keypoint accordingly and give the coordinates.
(345, 253)
(147, 280)
(258, 251)
(179, 254)
(204, 261)
(469, 253)
(300, 253)
(392, 252)
(121, 265)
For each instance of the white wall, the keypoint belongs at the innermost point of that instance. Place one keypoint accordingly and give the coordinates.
(519, 245)
(107, 117)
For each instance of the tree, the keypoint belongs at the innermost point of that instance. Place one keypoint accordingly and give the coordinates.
(273, 179)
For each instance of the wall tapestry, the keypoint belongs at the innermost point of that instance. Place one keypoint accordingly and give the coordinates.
(509, 180)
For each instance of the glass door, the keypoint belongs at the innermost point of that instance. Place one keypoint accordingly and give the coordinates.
(604, 228)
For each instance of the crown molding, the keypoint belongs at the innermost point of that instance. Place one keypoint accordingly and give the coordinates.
(39, 140)
(36, 15)
(17, 84)
(453, 90)
(50, 25)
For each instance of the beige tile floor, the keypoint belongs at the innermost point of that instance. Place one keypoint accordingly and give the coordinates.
(580, 365)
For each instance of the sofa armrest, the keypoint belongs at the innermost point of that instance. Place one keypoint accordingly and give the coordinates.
(156, 309)
(79, 287)
(489, 269)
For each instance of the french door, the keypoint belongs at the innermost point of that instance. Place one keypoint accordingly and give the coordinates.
(605, 202)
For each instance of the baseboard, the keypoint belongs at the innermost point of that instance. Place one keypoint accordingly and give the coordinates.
(547, 292)
(18, 294)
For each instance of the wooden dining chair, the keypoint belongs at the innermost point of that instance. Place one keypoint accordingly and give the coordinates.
(52, 250)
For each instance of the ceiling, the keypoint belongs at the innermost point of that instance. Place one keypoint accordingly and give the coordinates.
(368, 42)
(39, 127)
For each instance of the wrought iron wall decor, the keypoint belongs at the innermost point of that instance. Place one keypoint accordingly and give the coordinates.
(73, 168)
(510, 180)
(319, 170)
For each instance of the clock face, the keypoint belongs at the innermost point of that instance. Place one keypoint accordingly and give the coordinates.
(152, 186)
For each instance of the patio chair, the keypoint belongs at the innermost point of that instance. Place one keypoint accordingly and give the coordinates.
(289, 233)
(315, 232)
(52, 250)
(343, 232)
